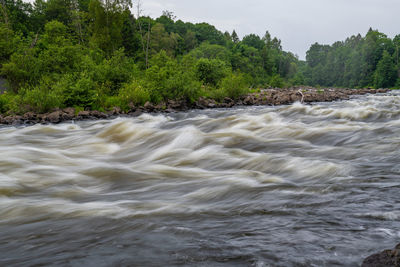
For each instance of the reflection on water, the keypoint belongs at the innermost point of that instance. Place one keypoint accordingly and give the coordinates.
(299, 185)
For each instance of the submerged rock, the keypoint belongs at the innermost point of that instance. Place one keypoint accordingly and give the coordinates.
(386, 258)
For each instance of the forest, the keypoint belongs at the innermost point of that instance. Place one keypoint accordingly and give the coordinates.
(100, 54)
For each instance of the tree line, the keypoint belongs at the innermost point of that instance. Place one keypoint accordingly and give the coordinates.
(98, 54)
(369, 61)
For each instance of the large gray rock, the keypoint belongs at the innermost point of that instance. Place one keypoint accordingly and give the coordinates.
(386, 258)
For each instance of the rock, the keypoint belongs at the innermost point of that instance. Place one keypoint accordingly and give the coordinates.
(98, 115)
(148, 106)
(17, 120)
(169, 110)
(249, 100)
(386, 258)
(67, 116)
(295, 97)
(8, 119)
(83, 115)
(229, 100)
(29, 116)
(115, 111)
(69, 111)
(160, 107)
(202, 103)
(54, 117)
(131, 106)
(136, 113)
(281, 98)
(211, 105)
(176, 105)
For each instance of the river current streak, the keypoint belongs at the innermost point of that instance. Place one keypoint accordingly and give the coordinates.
(298, 185)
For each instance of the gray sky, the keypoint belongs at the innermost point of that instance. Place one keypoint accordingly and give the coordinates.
(298, 23)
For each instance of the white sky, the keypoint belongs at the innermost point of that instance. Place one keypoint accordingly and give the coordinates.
(298, 23)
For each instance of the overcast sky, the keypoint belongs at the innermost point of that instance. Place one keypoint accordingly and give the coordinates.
(298, 23)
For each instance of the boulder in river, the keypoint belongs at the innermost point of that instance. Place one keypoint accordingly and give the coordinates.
(386, 258)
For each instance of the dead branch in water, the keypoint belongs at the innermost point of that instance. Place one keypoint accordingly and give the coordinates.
(302, 96)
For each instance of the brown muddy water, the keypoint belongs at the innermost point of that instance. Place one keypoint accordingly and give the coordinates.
(298, 185)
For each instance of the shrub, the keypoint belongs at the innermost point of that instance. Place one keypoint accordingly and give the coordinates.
(5, 102)
(40, 98)
(397, 86)
(80, 91)
(276, 81)
(211, 71)
(167, 79)
(217, 94)
(114, 72)
(133, 93)
(235, 85)
(22, 69)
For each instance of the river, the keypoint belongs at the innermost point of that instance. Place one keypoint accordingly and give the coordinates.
(298, 185)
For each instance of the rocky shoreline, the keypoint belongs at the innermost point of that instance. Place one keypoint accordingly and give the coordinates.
(272, 97)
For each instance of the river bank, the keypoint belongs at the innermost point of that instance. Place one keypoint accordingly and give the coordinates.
(272, 97)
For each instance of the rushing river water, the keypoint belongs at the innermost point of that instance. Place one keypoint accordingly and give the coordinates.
(299, 185)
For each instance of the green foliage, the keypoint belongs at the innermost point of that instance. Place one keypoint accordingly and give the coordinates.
(167, 79)
(276, 81)
(133, 93)
(211, 51)
(298, 79)
(397, 85)
(78, 90)
(211, 72)
(114, 72)
(6, 100)
(40, 98)
(235, 85)
(253, 40)
(55, 32)
(386, 72)
(162, 40)
(16, 15)
(22, 69)
(9, 42)
(355, 62)
(206, 32)
(107, 19)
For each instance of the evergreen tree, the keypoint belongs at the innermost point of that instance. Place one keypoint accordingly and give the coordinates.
(386, 73)
(235, 37)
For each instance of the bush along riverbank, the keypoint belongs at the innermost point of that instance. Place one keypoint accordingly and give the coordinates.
(270, 97)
